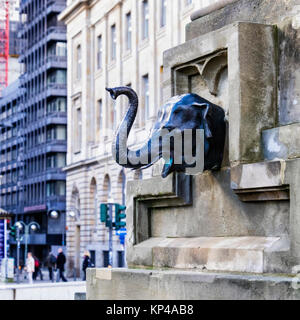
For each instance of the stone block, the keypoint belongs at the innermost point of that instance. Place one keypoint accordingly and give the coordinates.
(284, 15)
(250, 50)
(258, 175)
(243, 254)
(282, 142)
(135, 284)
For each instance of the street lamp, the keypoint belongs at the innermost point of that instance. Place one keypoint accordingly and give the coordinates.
(32, 226)
(74, 213)
(54, 214)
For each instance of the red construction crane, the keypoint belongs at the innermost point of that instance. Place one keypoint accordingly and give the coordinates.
(4, 43)
(6, 8)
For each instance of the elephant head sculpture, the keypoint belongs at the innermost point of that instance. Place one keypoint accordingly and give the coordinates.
(187, 111)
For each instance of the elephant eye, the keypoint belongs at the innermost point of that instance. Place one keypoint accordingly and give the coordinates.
(178, 110)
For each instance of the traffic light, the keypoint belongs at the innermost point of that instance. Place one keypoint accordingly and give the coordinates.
(104, 215)
(120, 216)
(12, 232)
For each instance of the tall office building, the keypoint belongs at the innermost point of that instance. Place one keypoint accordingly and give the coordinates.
(41, 127)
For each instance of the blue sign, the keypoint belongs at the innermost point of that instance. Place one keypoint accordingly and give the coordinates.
(2, 240)
(122, 234)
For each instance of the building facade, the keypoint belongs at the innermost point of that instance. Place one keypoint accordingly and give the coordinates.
(41, 126)
(111, 43)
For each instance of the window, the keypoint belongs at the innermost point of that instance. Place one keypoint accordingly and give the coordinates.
(113, 36)
(146, 96)
(56, 188)
(56, 160)
(57, 77)
(78, 132)
(58, 132)
(188, 2)
(61, 49)
(78, 58)
(145, 19)
(112, 114)
(100, 115)
(77, 125)
(128, 31)
(99, 52)
(57, 105)
(163, 12)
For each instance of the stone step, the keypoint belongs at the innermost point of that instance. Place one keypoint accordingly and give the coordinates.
(242, 254)
(141, 284)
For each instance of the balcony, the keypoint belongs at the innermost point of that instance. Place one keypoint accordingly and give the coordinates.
(59, 62)
(57, 89)
(55, 6)
(56, 118)
(56, 33)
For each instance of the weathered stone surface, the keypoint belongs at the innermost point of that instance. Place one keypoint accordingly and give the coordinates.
(190, 285)
(216, 211)
(252, 80)
(282, 142)
(244, 254)
(258, 175)
(283, 14)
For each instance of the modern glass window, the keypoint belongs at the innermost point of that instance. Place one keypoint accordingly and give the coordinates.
(57, 105)
(58, 49)
(61, 49)
(58, 77)
(78, 62)
(113, 40)
(163, 12)
(145, 19)
(58, 132)
(56, 160)
(146, 95)
(99, 52)
(56, 188)
(128, 31)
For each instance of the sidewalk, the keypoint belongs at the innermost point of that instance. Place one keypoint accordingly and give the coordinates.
(42, 290)
(23, 278)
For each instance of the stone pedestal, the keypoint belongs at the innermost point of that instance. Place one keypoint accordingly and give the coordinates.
(118, 284)
(231, 234)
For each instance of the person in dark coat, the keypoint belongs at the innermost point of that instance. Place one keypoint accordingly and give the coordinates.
(51, 261)
(37, 270)
(60, 264)
(86, 263)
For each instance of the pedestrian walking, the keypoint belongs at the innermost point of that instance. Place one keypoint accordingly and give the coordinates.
(60, 264)
(30, 267)
(51, 262)
(38, 271)
(87, 263)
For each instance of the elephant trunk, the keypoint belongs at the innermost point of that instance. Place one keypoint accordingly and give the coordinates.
(134, 159)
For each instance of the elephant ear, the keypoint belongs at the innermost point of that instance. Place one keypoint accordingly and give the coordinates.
(205, 107)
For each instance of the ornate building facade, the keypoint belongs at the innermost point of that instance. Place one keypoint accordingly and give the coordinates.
(111, 43)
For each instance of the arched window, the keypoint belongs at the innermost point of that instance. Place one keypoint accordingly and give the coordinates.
(93, 202)
(106, 195)
(75, 201)
(122, 188)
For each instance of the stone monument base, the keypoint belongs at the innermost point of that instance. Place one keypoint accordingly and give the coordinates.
(142, 284)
